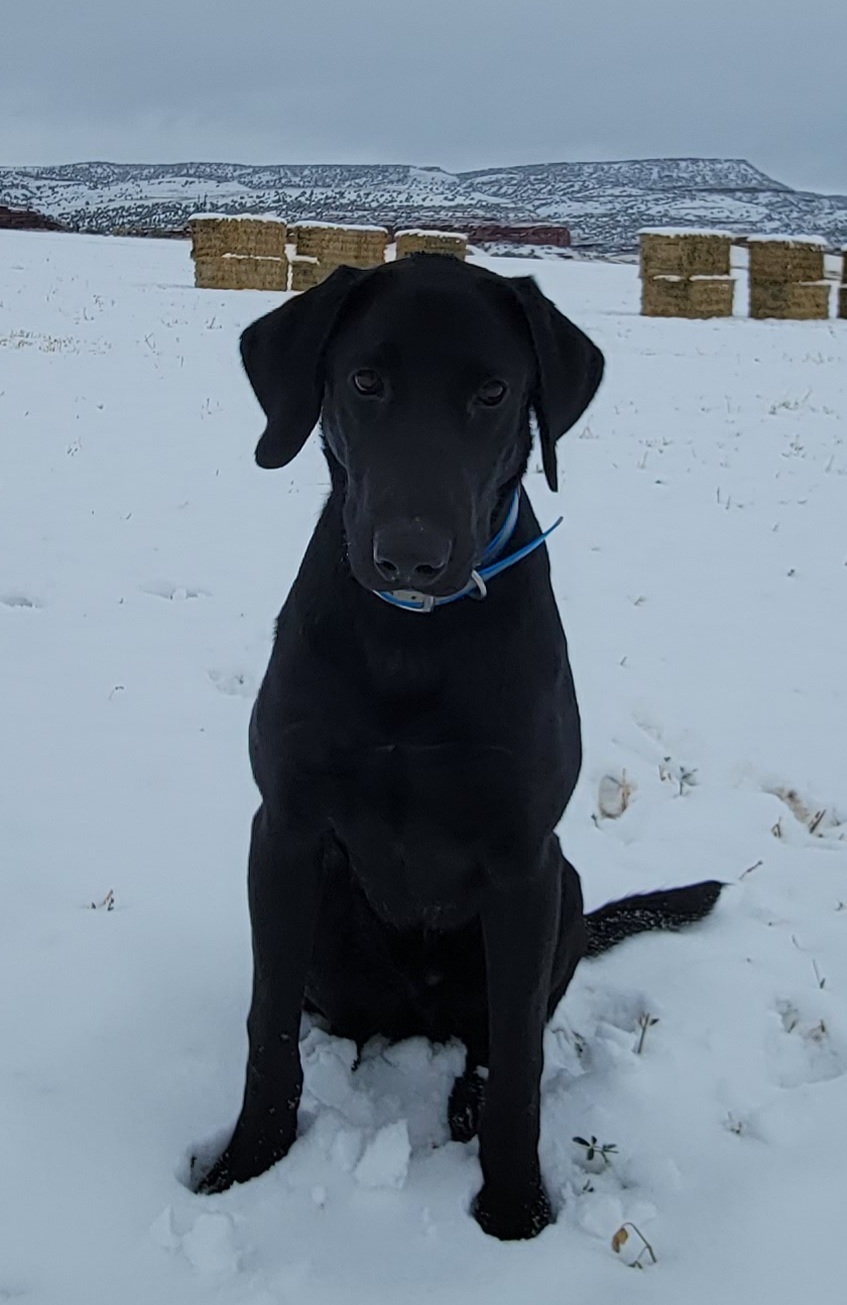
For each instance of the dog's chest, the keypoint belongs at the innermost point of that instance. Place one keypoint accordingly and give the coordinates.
(423, 827)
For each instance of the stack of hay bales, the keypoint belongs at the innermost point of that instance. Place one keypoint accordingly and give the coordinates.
(238, 252)
(787, 278)
(686, 273)
(332, 246)
(416, 241)
(842, 289)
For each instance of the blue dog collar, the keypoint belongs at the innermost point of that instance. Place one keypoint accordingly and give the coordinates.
(412, 601)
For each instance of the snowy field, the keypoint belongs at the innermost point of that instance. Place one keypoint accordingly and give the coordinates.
(702, 576)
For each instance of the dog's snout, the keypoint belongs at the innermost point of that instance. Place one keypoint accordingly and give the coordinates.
(411, 554)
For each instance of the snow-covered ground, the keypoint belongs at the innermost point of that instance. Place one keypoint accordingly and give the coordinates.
(702, 575)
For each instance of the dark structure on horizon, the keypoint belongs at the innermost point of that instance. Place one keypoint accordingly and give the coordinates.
(27, 219)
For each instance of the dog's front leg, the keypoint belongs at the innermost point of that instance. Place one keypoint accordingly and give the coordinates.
(285, 883)
(520, 925)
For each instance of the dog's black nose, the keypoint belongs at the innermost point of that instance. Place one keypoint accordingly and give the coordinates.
(411, 554)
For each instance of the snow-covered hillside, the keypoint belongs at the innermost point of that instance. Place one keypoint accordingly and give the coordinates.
(604, 203)
(702, 577)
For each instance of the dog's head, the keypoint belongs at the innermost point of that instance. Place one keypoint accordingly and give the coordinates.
(423, 374)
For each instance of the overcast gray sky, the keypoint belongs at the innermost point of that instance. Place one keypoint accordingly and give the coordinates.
(460, 83)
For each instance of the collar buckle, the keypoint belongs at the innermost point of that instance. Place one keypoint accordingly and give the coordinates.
(412, 600)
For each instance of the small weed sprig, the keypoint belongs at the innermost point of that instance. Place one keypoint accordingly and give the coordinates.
(594, 1148)
(645, 1022)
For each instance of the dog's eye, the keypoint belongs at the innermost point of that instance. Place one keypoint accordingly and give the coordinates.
(492, 393)
(367, 381)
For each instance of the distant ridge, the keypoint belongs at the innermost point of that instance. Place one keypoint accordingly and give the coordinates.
(604, 204)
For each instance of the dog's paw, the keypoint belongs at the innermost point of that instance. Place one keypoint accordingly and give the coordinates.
(241, 1161)
(512, 1220)
(219, 1178)
(465, 1107)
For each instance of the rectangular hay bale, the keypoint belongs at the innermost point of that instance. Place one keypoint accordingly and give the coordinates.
(698, 297)
(786, 260)
(790, 300)
(208, 273)
(711, 296)
(261, 237)
(409, 242)
(267, 274)
(307, 272)
(352, 257)
(685, 254)
(352, 245)
(842, 302)
(241, 272)
(213, 235)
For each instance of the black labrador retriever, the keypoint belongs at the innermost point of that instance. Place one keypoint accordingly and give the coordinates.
(416, 738)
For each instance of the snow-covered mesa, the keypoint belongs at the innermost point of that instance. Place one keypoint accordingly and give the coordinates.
(602, 203)
(702, 577)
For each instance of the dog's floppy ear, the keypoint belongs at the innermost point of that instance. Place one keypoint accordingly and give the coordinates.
(569, 368)
(283, 357)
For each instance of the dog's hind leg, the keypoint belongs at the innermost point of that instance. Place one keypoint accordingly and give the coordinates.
(467, 1099)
